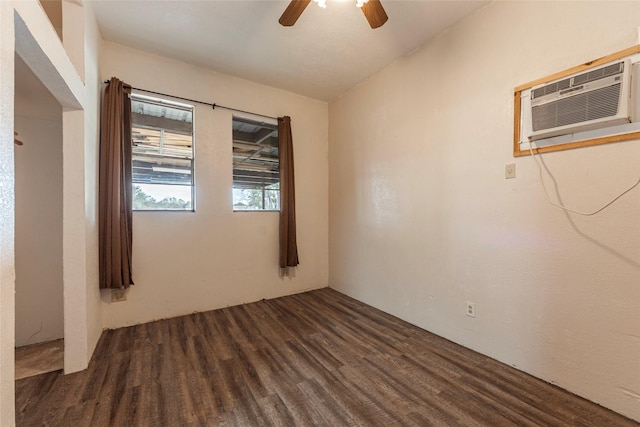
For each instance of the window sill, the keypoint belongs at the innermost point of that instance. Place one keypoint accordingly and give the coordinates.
(165, 210)
(254, 210)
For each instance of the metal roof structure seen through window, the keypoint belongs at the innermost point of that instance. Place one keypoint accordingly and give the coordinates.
(255, 154)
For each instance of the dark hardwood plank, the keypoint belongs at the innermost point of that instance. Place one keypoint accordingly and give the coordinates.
(318, 358)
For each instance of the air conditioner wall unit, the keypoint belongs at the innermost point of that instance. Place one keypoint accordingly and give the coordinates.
(593, 99)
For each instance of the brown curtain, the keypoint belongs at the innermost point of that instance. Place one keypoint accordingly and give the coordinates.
(288, 245)
(115, 192)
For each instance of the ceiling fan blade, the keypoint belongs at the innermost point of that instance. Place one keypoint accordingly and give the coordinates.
(375, 14)
(293, 12)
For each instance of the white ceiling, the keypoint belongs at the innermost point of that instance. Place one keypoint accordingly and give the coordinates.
(325, 54)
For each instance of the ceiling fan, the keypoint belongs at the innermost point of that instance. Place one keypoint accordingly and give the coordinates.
(372, 9)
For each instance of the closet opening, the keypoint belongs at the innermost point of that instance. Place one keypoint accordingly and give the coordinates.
(39, 310)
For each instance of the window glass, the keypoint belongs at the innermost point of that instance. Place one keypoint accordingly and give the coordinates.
(162, 138)
(256, 166)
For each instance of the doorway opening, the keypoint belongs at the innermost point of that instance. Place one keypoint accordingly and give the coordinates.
(39, 327)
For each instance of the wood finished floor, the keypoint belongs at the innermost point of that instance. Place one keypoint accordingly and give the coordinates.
(318, 358)
(36, 359)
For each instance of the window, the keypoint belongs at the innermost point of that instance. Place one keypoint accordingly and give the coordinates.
(162, 138)
(256, 167)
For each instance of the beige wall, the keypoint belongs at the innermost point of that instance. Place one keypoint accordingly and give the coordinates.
(38, 246)
(91, 56)
(53, 9)
(25, 29)
(422, 219)
(7, 217)
(185, 262)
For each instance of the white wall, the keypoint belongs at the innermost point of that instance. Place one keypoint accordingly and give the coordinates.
(38, 245)
(93, 89)
(422, 219)
(7, 217)
(25, 28)
(185, 262)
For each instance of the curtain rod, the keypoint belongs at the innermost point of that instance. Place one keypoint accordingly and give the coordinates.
(214, 105)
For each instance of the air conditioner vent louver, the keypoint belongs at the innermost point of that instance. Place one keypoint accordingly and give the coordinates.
(552, 88)
(593, 99)
(600, 73)
(596, 104)
(537, 93)
(579, 79)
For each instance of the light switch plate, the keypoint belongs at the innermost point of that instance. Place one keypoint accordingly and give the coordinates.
(510, 171)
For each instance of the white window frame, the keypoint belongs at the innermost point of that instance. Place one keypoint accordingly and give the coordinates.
(173, 105)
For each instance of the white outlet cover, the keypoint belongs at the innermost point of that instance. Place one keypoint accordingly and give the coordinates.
(118, 295)
(471, 309)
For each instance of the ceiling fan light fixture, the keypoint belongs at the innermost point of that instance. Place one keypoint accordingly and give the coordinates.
(372, 10)
(323, 3)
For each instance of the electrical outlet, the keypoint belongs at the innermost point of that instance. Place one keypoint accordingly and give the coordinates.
(471, 309)
(510, 171)
(118, 295)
